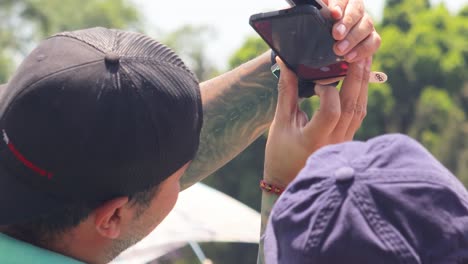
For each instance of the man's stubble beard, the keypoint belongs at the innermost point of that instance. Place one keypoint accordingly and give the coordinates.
(120, 245)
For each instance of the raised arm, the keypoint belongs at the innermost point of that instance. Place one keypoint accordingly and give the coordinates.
(340, 116)
(238, 107)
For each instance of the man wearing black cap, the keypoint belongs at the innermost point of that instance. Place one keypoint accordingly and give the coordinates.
(97, 127)
(94, 120)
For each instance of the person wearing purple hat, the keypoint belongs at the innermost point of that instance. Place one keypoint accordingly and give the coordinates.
(387, 200)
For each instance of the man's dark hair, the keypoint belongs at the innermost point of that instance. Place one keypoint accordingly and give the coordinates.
(45, 229)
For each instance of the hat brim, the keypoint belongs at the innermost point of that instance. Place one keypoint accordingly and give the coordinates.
(20, 203)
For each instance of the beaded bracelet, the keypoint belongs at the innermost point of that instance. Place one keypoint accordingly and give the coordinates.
(270, 188)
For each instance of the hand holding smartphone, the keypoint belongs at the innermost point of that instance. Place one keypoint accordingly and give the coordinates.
(301, 37)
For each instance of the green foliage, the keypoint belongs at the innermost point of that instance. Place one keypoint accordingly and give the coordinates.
(437, 125)
(431, 51)
(464, 12)
(426, 59)
(400, 12)
(25, 22)
(190, 43)
(52, 16)
(251, 48)
(5, 67)
(379, 111)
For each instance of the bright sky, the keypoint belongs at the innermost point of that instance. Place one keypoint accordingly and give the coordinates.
(228, 18)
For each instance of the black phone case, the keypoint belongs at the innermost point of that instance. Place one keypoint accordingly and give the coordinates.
(304, 2)
(316, 55)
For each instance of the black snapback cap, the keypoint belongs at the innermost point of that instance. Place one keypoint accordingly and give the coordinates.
(91, 115)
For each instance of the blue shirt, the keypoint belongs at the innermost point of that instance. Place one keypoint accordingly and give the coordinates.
(14, 251)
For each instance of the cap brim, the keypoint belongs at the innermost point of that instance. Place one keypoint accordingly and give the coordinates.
(20, 203)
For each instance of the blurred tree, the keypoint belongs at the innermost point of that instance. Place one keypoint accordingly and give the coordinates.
(400, 12)
(50, 16)
(24, 22)
(464, 12)
(439, 125)
(190, 43)
(251, 48)
(379, 111)
(420, 55)
(425, 53)
(5, 67)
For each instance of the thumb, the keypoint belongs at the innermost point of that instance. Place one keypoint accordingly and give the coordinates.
(287, 94)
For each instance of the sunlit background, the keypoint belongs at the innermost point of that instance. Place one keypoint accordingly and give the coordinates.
(229, 19)
(424, 52)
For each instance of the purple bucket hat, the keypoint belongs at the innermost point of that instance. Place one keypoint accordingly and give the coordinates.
(387, 200)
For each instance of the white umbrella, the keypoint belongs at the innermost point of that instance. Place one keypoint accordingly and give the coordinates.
(202, 214)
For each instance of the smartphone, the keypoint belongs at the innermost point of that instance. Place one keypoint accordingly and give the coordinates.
(319, 4)
(301, 36)
(316, 3)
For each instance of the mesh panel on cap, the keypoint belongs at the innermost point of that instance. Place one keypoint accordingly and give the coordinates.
(128, 45)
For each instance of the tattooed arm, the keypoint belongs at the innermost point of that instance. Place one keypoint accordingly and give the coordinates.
(238, 107)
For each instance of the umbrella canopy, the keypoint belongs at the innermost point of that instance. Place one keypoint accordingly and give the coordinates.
(201, 214)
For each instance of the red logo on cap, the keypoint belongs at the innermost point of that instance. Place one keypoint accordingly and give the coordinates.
(26, 162)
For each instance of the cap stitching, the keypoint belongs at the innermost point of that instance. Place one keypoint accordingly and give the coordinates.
(380, 227)
(78, 39)
(284, 200)
(164, 63)
(417, 176)
(29, 86)
(114, 44)
(327, 211)
(137, 91)
(168, 65)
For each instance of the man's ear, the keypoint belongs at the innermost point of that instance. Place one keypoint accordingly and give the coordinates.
(108, 217)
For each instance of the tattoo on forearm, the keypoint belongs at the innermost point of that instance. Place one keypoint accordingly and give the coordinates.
(268, 200)
(238, 107)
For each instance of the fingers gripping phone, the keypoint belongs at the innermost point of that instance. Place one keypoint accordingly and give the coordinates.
(319, 4)
(301, 36)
